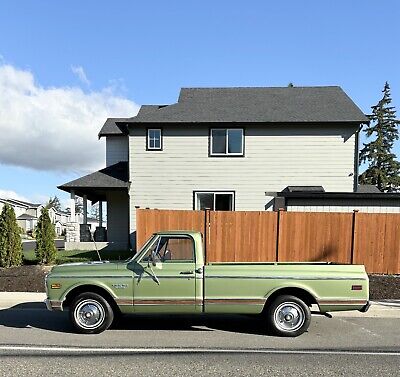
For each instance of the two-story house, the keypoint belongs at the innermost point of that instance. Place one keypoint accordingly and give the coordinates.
(224, 149)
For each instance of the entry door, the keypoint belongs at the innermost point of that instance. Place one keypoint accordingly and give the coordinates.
(165, 278)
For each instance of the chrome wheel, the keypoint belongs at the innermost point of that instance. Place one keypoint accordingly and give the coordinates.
(289, 316)
(89, 314)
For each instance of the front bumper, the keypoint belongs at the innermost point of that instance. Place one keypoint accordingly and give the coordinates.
(53, 305)
(365, 308)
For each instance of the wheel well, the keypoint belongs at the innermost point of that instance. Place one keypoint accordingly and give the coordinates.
(90, 289)
(300, 293)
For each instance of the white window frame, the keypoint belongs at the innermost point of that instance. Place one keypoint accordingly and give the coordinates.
(226, 142)
(215, 193)
(148, 139)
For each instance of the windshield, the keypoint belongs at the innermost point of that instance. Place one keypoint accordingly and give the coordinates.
(140, 252)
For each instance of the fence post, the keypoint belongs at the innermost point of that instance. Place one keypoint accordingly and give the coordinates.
(206, 231)
(278, 225)
(353, 231)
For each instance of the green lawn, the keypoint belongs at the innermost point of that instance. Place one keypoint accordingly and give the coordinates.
(71, 256)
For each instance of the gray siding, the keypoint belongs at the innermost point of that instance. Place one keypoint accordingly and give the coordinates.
(116, 149)
(344, 205)
(275, 157)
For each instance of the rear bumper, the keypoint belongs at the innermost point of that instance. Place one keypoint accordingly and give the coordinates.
(53, 305)
(365, 308)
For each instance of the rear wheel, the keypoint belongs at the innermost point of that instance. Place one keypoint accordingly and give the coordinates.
(90, 313)
(288, 316)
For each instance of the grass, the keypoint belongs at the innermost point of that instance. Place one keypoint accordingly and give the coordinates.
(71, 256)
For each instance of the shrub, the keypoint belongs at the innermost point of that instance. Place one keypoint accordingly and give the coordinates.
(10, 239)
(45, 251)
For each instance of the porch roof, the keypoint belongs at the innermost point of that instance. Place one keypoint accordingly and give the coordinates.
(95, 185)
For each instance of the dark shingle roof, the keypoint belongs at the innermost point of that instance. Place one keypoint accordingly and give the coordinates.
(368, 189)
(26, 216)
(261, 105)
(114, 126)
(22, 203)
(114, 176)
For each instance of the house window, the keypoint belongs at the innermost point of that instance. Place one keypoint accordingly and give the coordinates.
(226, 142)
(154, 139)
(215, 201)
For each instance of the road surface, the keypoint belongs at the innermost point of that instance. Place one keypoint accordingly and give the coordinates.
(30, 245)
(34, 341)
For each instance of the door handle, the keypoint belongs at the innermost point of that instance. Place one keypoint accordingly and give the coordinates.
(186, 272)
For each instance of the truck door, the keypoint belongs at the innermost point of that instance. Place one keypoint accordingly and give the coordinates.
(165, 277)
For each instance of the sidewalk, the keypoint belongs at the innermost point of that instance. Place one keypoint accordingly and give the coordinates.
(378, 309)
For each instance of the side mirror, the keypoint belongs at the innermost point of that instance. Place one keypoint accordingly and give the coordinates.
(167, 255)
(152, 258)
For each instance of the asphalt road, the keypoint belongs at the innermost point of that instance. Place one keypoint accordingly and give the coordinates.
(30, 245)
(34, 341)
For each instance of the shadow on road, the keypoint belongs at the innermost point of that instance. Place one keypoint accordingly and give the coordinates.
(35, 315)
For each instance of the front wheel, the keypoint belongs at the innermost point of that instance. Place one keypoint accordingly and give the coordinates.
(288, 316)
(91, 313)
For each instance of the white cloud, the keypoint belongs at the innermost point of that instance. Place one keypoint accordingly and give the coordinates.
(9, 194)
(54, 128)
(80, 73)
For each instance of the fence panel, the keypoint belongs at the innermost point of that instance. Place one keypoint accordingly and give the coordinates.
(149, 221)
(242, 236)
(251, 236)
(315, 236)
(377, 242)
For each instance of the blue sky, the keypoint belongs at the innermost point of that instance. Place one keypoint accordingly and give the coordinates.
(114, 55)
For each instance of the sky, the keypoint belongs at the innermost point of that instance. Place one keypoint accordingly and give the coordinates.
(65, 66)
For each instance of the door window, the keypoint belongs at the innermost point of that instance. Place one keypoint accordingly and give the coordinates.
(171, 249)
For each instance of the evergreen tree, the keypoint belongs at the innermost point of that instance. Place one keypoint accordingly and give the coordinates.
(10, 240)
(54, 203)
(45, 251)
(383, 170)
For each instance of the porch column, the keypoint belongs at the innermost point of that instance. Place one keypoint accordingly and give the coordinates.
(100, 214)
(85, 209)
(72, 207)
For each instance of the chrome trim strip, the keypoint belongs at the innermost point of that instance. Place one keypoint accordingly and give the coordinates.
(165, 277)
(93, 276)
(342, 302)
(281, 277)
(235, 301)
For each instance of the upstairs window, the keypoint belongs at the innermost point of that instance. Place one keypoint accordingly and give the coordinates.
(226, 142)
(154, 139)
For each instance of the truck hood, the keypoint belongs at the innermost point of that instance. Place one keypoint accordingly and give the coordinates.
(89, 267)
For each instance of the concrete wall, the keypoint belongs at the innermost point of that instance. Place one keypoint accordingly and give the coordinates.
(116, 149)
(275, 157)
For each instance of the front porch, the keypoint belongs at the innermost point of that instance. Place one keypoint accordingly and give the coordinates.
(110, 186)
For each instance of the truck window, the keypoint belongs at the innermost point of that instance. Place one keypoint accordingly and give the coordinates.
(172, 249)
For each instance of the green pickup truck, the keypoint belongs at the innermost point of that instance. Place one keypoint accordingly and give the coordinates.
(169, 275)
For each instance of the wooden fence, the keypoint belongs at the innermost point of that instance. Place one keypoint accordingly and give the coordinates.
(240, 236)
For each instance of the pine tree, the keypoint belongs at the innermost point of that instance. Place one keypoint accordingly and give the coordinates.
(45, 251)
(383, 170)
(54, 203)
(10, 240)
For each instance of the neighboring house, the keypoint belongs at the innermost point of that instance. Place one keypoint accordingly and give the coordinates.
(27, 215)
(27, 222)
(224, 149)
